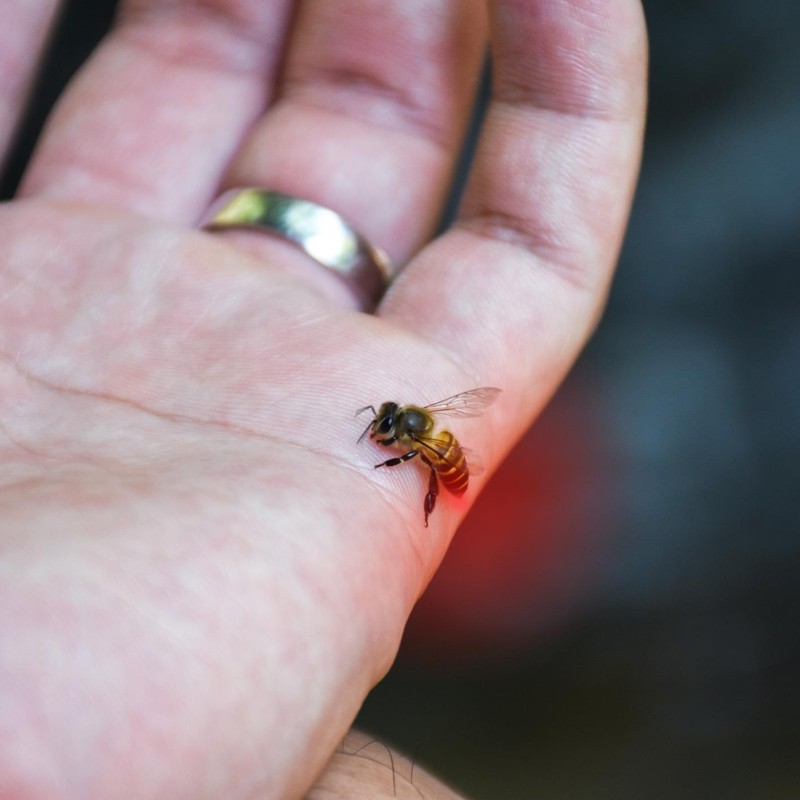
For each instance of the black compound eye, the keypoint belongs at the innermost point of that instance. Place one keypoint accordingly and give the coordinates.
(386, 424)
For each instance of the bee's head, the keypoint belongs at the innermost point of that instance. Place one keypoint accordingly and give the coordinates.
(385, 421)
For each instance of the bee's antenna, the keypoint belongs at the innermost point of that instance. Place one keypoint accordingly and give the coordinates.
(360, 438)
(374, 416)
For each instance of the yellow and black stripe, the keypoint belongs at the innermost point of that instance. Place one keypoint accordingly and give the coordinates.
(448, 459)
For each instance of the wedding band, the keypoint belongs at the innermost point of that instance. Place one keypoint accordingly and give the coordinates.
(320, 232)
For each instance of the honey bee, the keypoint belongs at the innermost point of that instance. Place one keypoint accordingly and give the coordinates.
(413, 428)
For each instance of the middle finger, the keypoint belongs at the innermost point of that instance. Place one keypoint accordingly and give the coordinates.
(370, 113)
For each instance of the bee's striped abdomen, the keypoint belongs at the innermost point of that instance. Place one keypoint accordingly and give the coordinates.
(451, 464)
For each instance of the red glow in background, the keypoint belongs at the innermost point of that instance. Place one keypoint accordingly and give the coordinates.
(523, 556)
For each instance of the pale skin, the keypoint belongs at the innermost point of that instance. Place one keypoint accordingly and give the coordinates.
(201, 573)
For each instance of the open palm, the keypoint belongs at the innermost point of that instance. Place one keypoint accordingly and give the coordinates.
(201, 573)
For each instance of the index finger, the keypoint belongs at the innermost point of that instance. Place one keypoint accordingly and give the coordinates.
(513, 290)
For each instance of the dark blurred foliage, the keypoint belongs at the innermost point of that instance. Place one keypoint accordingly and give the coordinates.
(619, 616)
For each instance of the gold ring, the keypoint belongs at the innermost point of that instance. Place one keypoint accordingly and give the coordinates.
(320, 232)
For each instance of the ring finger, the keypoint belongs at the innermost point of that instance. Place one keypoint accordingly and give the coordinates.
(365, 114)
(370, 113)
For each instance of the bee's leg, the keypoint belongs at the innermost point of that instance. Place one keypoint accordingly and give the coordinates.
(393, 462)
(430, 498)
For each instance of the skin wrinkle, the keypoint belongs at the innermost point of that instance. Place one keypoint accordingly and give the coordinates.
(496, 228)
(197, 29)
(403, 115)
(390, 492)
(540, 237)
(19, 445)
(184, 419)
(571, 61)
(30, 275)
(519, 94)
(428, 101)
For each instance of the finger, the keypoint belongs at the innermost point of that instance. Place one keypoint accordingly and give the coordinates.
(158, 110)
(22, 37)
(513, 290)
(370, 114)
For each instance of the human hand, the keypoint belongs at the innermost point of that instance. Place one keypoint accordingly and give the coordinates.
(201, 573)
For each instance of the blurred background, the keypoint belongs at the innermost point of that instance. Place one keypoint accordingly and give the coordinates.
(619, 615)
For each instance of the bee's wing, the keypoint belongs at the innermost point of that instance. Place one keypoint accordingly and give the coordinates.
(474, 462)
(466, 404)
(434, 444)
